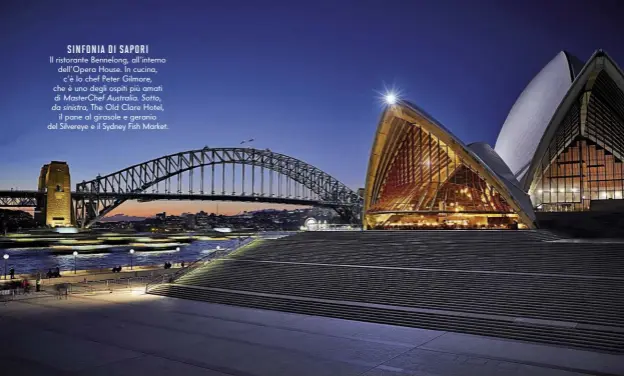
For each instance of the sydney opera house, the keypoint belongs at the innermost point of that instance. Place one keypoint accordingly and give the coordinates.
(561, 149)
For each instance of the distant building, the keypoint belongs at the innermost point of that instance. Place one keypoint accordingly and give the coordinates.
(190, 221)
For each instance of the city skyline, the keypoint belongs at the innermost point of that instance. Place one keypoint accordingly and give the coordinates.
(302, 80)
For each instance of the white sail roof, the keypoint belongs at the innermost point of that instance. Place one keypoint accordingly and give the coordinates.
(529, 117)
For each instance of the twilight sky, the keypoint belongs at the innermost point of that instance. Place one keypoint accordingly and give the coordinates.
(301, 77)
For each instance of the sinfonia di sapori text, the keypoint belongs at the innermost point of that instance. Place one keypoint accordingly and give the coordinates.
(111, 48)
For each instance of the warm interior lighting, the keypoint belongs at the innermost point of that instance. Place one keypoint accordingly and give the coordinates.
(427, 173)
(581, 166)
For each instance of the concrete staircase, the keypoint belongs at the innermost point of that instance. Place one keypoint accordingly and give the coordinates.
(511, 284)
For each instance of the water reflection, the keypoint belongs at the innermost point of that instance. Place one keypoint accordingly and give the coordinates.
(30, 260)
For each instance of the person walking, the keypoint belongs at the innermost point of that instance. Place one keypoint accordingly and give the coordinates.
(12, 273)
(38, 283)
(26, 286)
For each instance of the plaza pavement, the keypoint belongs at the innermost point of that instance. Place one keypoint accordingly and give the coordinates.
(130, 333)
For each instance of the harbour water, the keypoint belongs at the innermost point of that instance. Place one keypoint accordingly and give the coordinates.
(26, 259)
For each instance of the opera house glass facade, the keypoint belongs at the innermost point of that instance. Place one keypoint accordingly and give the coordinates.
(570, 123)
(560, 149)
(421, 176)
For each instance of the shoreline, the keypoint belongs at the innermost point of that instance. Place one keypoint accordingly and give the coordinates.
(96, 274)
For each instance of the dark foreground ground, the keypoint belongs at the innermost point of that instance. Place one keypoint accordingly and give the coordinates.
(129, 333)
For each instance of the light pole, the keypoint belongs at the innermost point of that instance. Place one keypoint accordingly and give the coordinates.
(131, 257)
(6, 257)
(75, 254)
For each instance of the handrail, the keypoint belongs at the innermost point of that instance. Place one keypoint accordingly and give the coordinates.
(104, 285)
(193, 265)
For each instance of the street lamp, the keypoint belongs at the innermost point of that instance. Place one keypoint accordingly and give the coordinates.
(131, 257)
(6, 257)
(75, 254)
(177, 249)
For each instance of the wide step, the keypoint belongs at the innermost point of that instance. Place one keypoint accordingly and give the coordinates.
(512, 284)
(569, 337)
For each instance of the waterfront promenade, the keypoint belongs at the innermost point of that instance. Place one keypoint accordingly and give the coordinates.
(84, 281)
(96, 275)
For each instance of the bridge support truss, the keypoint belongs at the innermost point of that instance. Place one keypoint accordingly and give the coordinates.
(230, 174)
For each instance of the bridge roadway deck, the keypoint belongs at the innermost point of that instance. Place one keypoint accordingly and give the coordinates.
(111, 334)
(148, 196)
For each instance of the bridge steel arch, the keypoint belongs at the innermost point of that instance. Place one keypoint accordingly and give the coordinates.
(101, 195)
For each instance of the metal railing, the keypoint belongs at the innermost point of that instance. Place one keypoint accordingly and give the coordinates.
(169, 278)
(7, 295)
(16, 291)
(107, 285)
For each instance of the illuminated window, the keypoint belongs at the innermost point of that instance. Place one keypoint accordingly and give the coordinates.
(582, 164)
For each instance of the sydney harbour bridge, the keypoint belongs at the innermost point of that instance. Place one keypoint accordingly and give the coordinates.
(217, 174)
